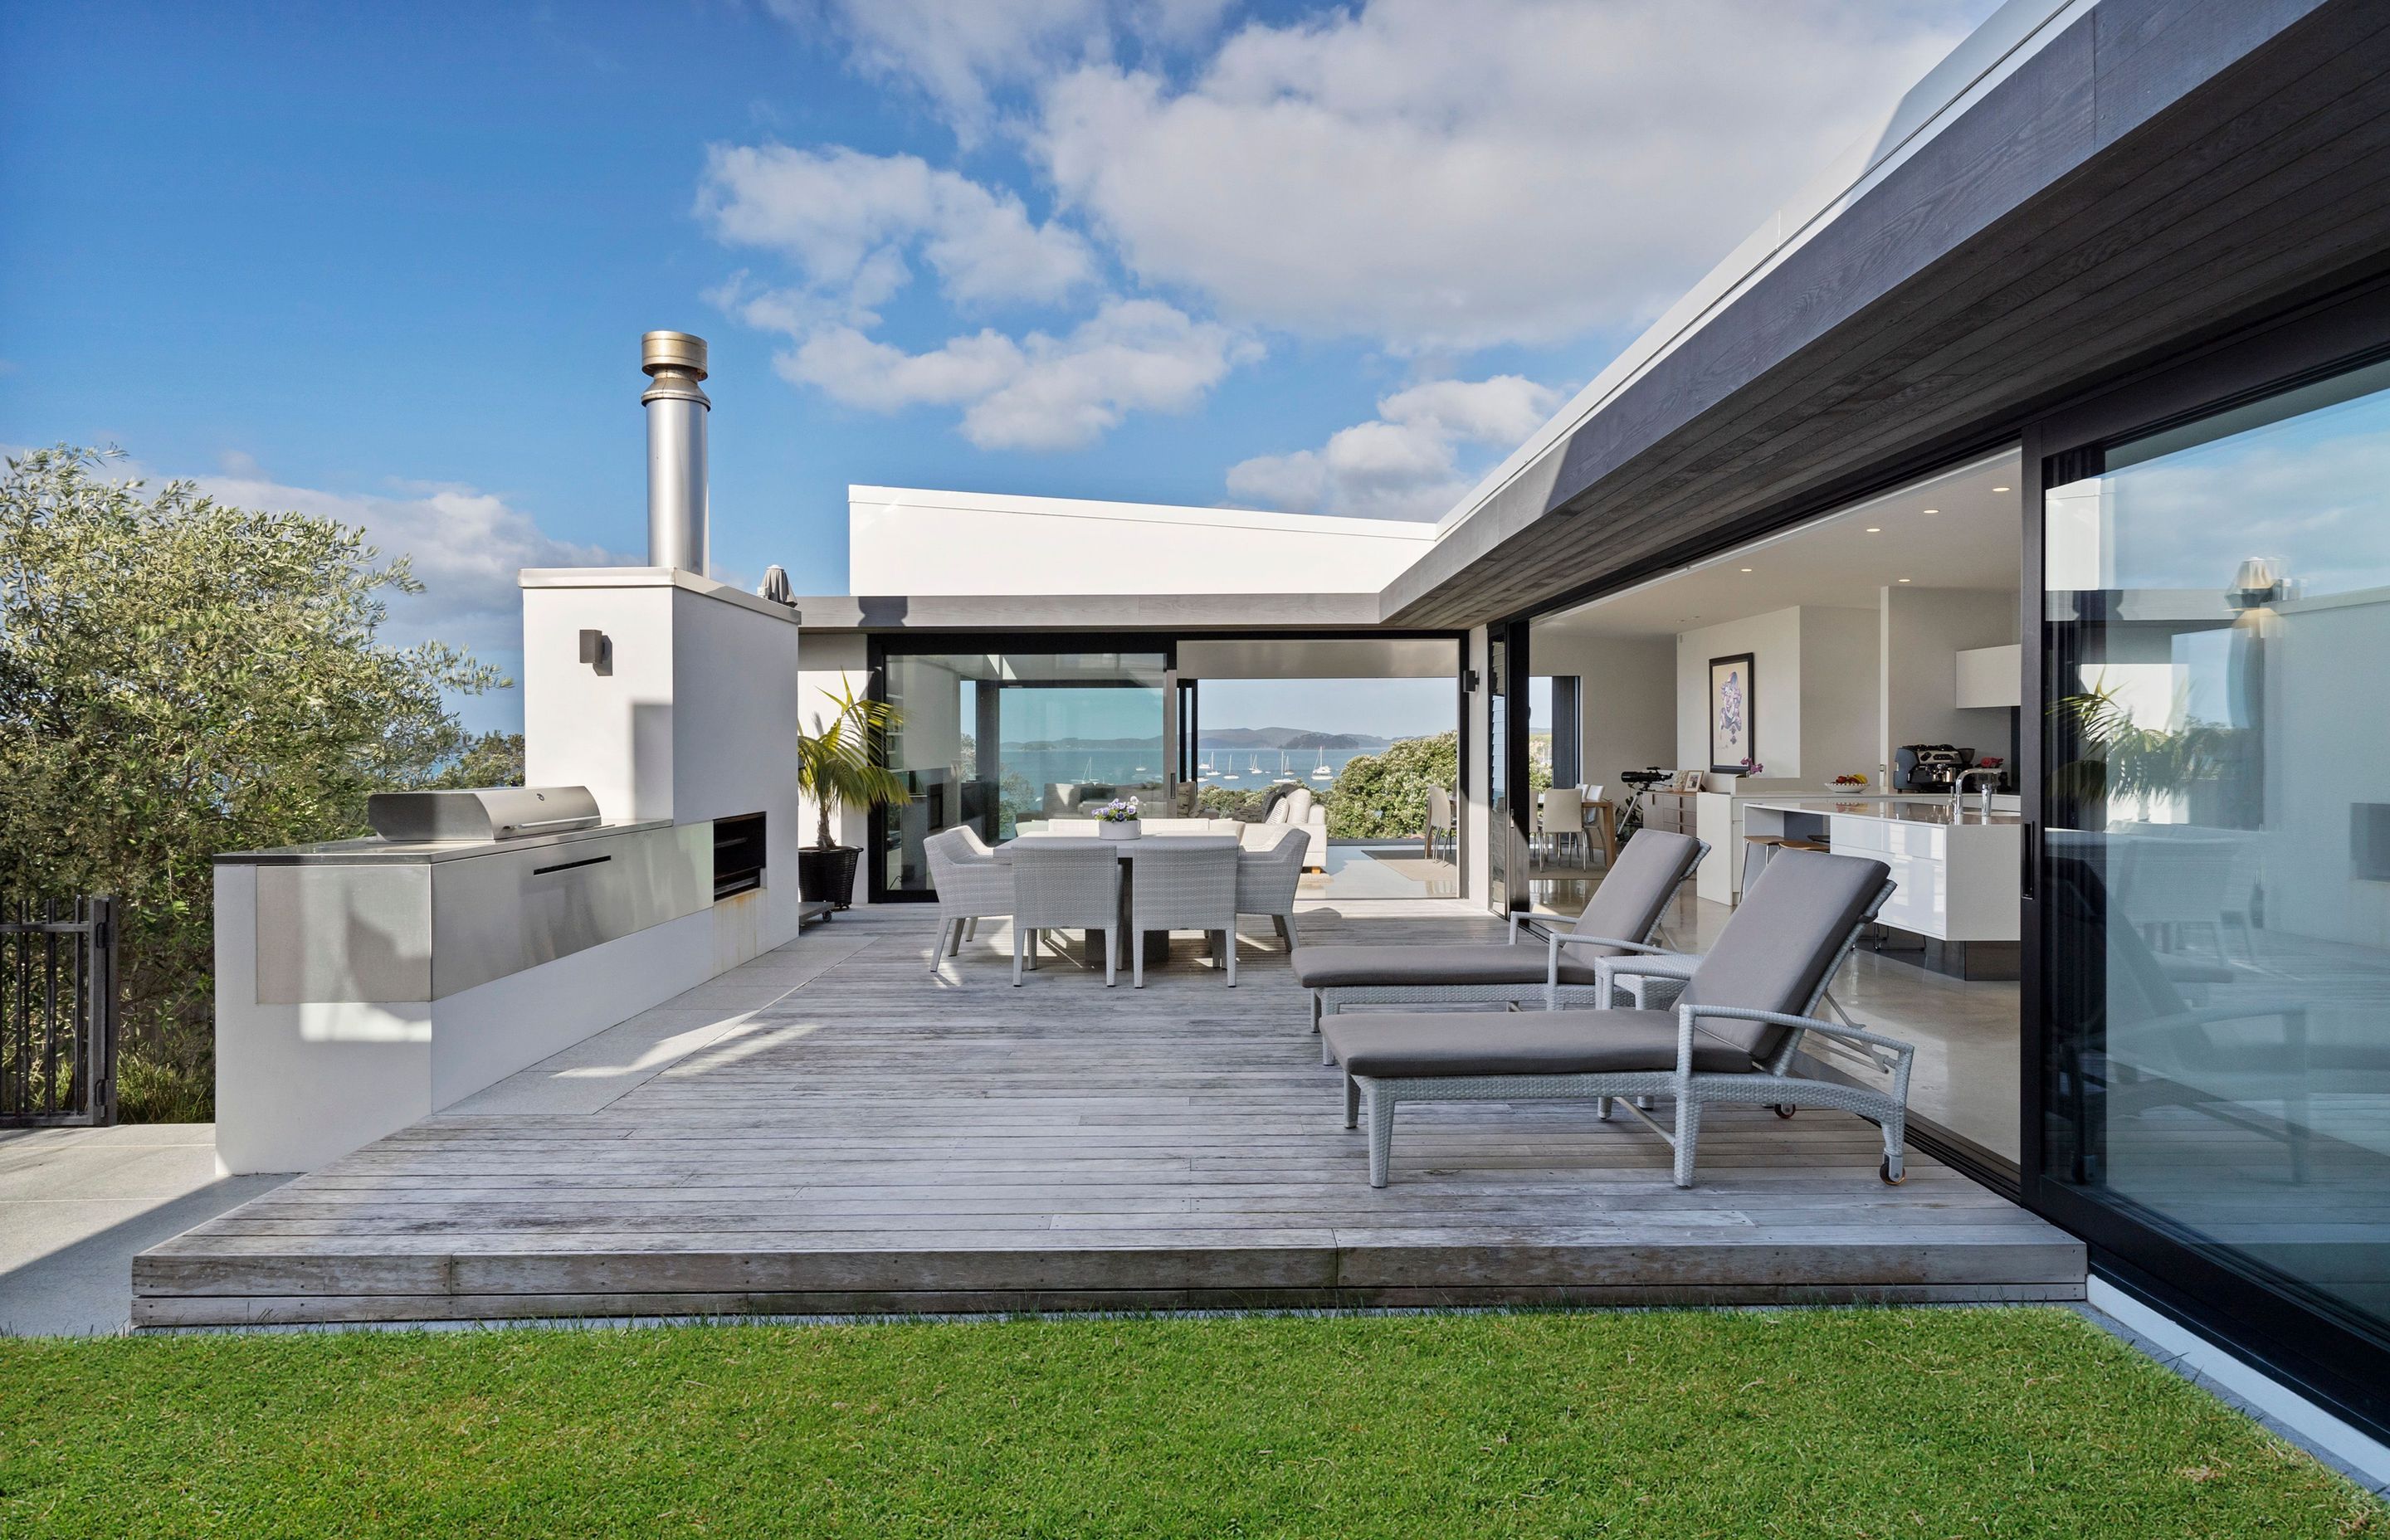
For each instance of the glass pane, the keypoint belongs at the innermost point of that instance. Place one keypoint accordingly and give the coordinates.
(1498, 770)
(995, 739)
(2217, 867)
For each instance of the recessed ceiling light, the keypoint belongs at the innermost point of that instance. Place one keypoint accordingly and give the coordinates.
(1875, 528)
(1904, 580)
(1746, 569)
(2003, 489)
(1934, 510)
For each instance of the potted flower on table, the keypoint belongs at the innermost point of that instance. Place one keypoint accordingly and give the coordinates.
(1117, 819)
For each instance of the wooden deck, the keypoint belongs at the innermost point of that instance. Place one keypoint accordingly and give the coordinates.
(831, 1129)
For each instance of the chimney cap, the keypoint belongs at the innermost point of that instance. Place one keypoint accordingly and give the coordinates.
(680, 351)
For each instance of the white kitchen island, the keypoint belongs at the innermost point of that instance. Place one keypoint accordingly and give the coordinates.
(1957, 872)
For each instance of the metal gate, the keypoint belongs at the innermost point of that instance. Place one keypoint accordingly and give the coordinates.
(57, 1012)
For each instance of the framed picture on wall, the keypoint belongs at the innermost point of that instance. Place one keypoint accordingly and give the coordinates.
(1733, 707)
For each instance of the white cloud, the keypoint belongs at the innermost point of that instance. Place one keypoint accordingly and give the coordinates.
(961, 57)
(1042, 392)
(1406, 462)
(849, 221)
(1433, 176)
(466, 545)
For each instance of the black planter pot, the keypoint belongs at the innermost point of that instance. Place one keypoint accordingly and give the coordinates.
(828, 874)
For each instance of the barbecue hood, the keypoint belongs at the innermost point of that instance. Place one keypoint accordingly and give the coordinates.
(481, 812)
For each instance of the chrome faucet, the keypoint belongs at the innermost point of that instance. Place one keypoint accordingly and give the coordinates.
(1959, 790)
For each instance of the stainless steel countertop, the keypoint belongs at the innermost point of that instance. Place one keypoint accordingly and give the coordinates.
(373, 851)
(1934, 812)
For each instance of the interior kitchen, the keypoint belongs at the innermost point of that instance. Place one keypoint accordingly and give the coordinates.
(1851, 685)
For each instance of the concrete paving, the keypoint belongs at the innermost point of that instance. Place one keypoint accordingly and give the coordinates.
(76, 1204)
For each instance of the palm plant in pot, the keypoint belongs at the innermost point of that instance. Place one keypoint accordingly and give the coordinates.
(837, 768)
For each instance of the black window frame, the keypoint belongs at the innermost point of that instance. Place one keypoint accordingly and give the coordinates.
(879, 645)
(2236, 1307)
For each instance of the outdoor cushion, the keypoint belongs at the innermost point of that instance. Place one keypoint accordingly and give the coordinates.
(1774, 953)
(1455, 963)
(1649, 868)
(1429, 1045)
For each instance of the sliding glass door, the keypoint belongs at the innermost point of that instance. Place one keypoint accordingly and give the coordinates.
(994, 738)
(2213, 887)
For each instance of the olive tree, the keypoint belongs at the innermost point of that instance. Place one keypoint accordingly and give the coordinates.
(180, 677)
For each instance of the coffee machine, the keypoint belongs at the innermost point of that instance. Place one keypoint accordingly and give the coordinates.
(1931, 767)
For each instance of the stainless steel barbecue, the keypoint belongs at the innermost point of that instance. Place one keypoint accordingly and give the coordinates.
(480, 812)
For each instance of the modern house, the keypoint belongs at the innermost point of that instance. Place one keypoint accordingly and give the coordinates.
(2047, 436)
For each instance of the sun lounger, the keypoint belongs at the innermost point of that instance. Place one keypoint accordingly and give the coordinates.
(1732, 1036)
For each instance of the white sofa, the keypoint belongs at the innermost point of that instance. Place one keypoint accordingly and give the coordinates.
(1301, 809)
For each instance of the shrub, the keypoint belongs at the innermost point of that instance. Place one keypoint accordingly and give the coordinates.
(180, 677)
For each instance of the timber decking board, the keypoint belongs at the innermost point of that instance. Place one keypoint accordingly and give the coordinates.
(881, 1139)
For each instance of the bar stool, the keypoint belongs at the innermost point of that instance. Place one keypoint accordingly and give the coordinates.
(1758, 849)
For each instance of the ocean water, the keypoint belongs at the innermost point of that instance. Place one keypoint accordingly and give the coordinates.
(1234, 770)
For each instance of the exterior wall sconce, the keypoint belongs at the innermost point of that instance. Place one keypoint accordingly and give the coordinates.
(1469, 681)
(597, 651)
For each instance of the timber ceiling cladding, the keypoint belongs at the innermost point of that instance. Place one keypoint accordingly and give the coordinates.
(2161, 172)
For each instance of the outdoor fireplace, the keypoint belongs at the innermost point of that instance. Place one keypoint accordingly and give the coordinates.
(738, 855)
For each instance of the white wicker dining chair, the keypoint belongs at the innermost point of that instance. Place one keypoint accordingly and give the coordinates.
(1059, 887)
(1443, 825)
(1180, 886)
(971, 885)
(1267, 878)
(1562, 817)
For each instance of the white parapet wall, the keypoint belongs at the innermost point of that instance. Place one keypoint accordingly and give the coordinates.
(903, 540)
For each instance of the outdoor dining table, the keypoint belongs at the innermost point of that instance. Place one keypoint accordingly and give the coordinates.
(1157, 946)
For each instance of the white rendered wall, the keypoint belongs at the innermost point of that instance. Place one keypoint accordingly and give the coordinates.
(1923, 632)
(1774, 642)
(1840, 684)
(697, 718)
(1628, 711)
(611, 733)
(1815, 684)
(907, 541)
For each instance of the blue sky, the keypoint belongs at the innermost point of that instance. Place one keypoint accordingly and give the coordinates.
(393, 263)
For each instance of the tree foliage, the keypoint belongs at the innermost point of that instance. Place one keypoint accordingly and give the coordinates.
(180, 677)
(1383, 796)
(492, 759)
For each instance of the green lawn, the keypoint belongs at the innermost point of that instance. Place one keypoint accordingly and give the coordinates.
(1875, 1422)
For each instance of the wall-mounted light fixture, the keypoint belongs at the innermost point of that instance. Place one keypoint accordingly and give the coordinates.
(1469, 681)
(597, 651)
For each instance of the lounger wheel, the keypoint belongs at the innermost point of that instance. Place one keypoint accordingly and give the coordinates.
(1783, 1109)
(1890, 1172)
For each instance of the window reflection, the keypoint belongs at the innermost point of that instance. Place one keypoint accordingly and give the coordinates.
(2217, 864)
(994, 740)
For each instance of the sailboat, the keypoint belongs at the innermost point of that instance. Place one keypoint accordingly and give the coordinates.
(1321, 773)
(1283, 777)
(1255, 769)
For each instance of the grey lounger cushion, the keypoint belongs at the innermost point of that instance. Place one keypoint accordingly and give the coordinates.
(1786, 933)
(1626, 904)
(1457, 963)
(1406, 1045)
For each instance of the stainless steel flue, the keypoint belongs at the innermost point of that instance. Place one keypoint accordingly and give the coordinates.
(677, 507)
